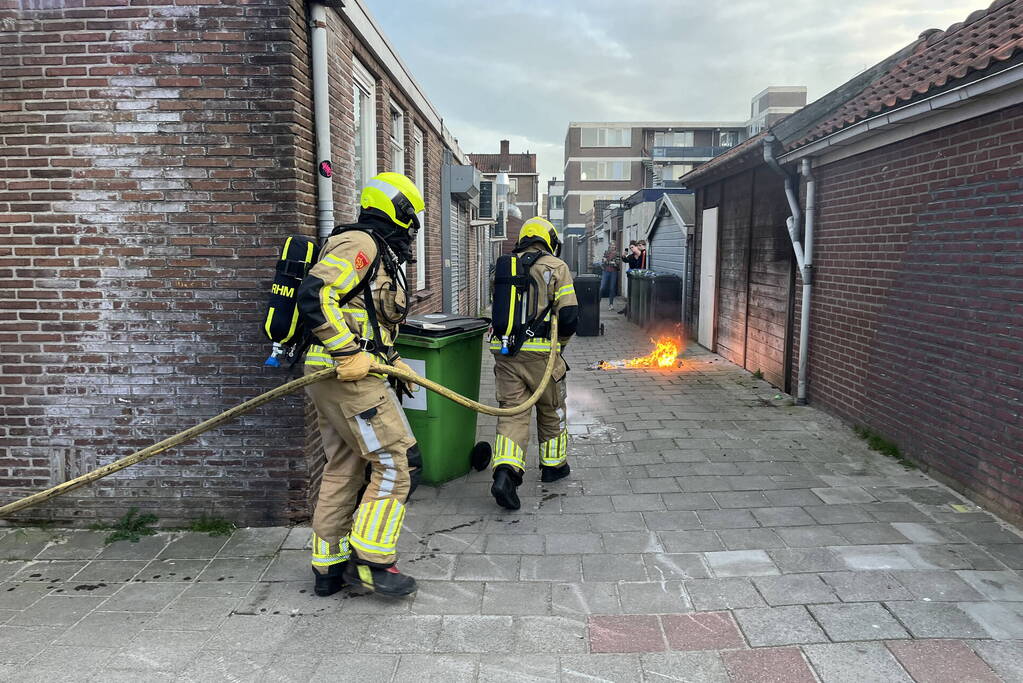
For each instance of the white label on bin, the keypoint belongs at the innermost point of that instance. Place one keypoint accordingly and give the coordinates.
(418, 400)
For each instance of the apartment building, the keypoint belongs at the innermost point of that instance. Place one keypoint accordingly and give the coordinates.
(554, 203)
(606, 161)
(771, 105)
(522, 197)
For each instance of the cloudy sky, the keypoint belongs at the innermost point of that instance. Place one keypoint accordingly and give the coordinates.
(521, 70)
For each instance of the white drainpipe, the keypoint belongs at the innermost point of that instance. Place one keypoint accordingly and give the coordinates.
(321, 120)
(804, 255)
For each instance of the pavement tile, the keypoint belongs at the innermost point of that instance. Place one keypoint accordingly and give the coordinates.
(474, 634)
(949, 556)
(49, 571)
(936, 620)
(857, 621)
(172, 570)
(795, 560)
(702, 631)
(838, 514)
(653, 597)
(871, 557)
(486, 568)
(768, 665)
(937, 585)
(740, 563)
(139, 597)
(741, 499)
(727, 519)
(160, 650)
(779, 626)
(750, 539)
(236, 569)
(810, 536)
(629, 633)
(620, 668)
(689, 501)
(24, 543)
(218, 665)
(986, 533)
(1003, 621)
(617, 521)
(74, 545)
(614, 568)
(257, 542)
(928, 533)
(896, 512)
(510, 597)
(585, 598)
(193, 614)
(866, 586)
(18, 596)
(843, 495)
(793, 497)
(638, 502)
(551, 568)
(672, 520)
(1005, 658)
(690, 667)
(1010, 554)
(574, 544)
(1004, 585)
(632, 542)
(518, 669)
(664, 567)
(794, 589)
(782, 517)
(109, 571)
(690, 541)
(146, 548)
(104, 629)
(942, 661)
(401, 634)
(855, 663)
(56, 610)
(521, 544)
(18, 644)
(189, 545)
(718, 594)
(550, 635)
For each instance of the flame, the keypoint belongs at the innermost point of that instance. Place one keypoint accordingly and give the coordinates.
(664, 355)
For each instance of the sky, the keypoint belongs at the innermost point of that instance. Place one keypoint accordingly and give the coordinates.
(521, 70)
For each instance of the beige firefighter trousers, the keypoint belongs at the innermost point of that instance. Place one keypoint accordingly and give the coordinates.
(360, 422)
(517, 378)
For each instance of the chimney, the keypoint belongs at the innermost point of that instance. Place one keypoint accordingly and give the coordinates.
(505, 148)
(504, 158)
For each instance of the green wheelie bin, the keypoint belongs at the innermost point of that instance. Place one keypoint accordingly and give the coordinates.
(447, 349)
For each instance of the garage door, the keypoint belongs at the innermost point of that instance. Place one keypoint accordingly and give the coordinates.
(459, 259)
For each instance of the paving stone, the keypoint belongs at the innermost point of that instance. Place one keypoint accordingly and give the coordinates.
(727, 519)
(614, 568)
(960, 556)
(160, 650)
(838, 514)
(941, 586)
(653, 597)
(795, 560)
(56, 610)
(690, 667)
(508, 597)
(701, 631)
(1005, 658)
(146, 548)
(259, 542)
(768, 665)
(550, 635)
(871, 557)
(750, 539)
(400, 634)
(173, 570)
(793, 497)
(665, 567)
(629, 633)
(24, 544)
(782, 517)
(591, 597)
(553, 568)
(298, 538)
(74, 545)
(18, 644)
(109, 571)
(235, 569)
(432, 566)
(1010, 554)
(223, 589)
(718, 594)
(474, 634)
(690, 541)
(986, 533)
(193, 614)
(867, 586)
(218, 665)
(740, 499)
(938, 661)
(452, 668)
(672, 520)
(627, 542)
(857, 621)
(586, 504)
(896, 512)
(68, 663)
(843, 495)
(573, 544)
(139, 597)
(810, 536)
(487, 568)
(658, 485)
(936, 620)
(704, 484)
(794, 589)
(617, 521)
(622, 668)
(518, 669)
(869, 534)
(638, 502)
(855, 663)
(928, 533)
(689, 501)
(245, 633)
(740, 563)
(1003, 586)
(104, 630)
(190, 545)
(1003, 621)
(56, 571)
(779, 626)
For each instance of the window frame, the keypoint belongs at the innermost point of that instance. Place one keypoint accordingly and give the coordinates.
(397, 144)
(364, 96)
(419, 160)
(603, 132)
(597, 165)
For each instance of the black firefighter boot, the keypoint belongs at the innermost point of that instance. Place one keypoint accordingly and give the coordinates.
(549, 474)
(506, 480)
(331, 582)
(379, 579)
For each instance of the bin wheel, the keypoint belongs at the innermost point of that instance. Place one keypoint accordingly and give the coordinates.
(601, 329)
(479, 456)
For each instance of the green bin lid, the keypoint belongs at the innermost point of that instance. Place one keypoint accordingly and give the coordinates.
(440, 325)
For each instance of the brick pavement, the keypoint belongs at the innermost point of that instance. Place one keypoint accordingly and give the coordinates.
(710, 532)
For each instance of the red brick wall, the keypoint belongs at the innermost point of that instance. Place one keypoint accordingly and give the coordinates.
(151, 168)
(917, 314)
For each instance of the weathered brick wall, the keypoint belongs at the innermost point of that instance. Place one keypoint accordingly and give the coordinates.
(917, 317)
(155, 156)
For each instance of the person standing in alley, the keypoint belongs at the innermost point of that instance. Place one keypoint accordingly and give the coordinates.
(611, 264)
(535, 279)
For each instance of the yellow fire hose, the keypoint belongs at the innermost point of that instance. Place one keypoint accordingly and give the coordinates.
(283, 390)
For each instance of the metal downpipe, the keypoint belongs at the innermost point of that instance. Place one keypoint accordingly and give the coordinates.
(803, 255)
(321, 121)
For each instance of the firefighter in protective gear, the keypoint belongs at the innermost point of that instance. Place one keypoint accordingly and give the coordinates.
(519, 375)
(354, 298)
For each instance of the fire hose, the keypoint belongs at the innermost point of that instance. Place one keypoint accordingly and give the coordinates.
(283, 390)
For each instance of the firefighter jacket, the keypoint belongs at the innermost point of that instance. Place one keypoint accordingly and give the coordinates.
(342, 326)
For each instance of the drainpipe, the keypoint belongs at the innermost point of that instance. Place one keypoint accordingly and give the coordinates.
(804, 256)
(321, 122)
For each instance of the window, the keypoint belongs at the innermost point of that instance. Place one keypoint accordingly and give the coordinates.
(513, 186)
(397, 138)
(364, 111)
(729, 138)
(555, 201)
(678, 139)
(605, 170)
(673, 171)
(420, 180)
(605, 137)
(486, 199)
(586, 200)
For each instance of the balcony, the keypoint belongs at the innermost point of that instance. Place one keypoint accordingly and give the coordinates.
(702, 153)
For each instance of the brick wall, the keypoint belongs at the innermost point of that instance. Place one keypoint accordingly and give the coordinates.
(917, 316)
